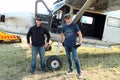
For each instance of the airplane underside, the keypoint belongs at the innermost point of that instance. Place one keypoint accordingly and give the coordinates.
(96, 5)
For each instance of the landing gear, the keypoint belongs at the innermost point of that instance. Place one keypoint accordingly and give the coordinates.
(55, 62)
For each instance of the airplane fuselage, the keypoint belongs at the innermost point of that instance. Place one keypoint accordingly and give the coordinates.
(97, 26)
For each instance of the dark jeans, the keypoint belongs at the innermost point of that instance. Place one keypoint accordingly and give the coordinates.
(72, 51)
(41, 51)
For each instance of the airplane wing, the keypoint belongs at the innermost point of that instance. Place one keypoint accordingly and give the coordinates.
(114, 5)
(109, 5)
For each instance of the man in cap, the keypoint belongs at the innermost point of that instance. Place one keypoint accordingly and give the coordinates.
(69, 34)
(38, 43)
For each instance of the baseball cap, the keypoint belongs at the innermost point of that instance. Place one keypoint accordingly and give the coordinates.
(67, 15)
(38, 18)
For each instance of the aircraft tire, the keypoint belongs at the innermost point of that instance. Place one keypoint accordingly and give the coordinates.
(54, 63)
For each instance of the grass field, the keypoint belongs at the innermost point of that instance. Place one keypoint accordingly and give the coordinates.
(96, 64)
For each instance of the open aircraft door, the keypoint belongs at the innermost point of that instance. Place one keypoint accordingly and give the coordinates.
(42, 11)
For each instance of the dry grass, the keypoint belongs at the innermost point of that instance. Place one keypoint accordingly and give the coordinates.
(96, 64)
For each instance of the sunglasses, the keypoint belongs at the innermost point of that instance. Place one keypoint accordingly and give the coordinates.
(67, 17)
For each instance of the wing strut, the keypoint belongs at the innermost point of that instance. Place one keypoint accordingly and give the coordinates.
(83, 9)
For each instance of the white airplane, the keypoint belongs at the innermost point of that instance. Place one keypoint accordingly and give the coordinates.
(98, 20)
(99, 26)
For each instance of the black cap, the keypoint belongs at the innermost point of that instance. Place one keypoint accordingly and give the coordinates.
(38, 18)
(67, 15)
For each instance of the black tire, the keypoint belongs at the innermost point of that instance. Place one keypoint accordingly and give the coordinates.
(54, 63)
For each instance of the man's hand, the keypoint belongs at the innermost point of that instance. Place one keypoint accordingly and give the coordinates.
(63, 44)
(46, 44)
(77, 45)
(29, 45)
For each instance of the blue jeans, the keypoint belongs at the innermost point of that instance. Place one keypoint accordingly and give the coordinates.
(41, 51)
(70, 50)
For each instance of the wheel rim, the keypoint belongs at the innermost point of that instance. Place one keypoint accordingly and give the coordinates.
(55, 64)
